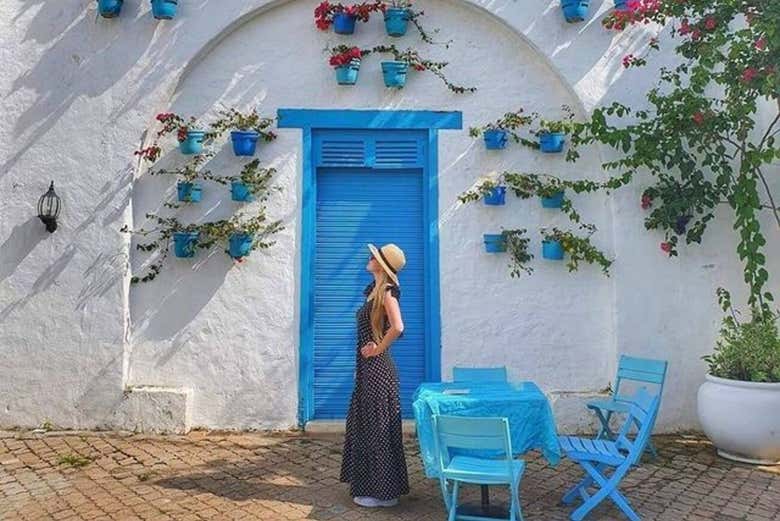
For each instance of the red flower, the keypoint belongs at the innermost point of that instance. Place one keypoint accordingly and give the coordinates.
(419, 67)
(647, 202)
(710, 23)
(322, 24)
(696, 34)
(627, 60)
(761, 44)
(749, 74)
(698, 118)
(666, 247)
(181, 135)
(685, 28)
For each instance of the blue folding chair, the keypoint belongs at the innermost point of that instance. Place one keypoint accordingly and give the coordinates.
(596, 456)
(479, 374)
(455, 434)
(632, 369)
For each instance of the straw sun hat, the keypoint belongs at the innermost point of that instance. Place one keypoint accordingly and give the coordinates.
(391, 258)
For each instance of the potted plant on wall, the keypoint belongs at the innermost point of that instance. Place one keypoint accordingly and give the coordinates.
(189, 134)
(247, 129)
(165, 230)
(343, 17)
(164, 9)
(738, 404)
(109, 8)
(552, 133)
(241, 236)
(556, 243)
(492, 191)
(398, 14)
(395, 71)
(496, 134)
(575, 10)
(346, 60)
(188, 191)
(254, 183)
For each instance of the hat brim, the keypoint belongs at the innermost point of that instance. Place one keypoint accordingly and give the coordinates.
(375, 252)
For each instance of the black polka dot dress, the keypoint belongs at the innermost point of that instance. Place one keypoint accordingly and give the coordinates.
(373, 461)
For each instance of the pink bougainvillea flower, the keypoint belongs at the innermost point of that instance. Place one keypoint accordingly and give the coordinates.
(710, 23)
(685, 28)
(749, 74)
(666, 247)
(627, 60)
(647, 202)
(698, 118)
(696, 34)
(761, 44)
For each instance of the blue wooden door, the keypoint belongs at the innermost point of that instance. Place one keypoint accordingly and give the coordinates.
(369, 188)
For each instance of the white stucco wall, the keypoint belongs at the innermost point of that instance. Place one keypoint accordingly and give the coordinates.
(79, 94)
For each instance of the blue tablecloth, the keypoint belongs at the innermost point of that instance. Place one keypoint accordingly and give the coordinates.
(531, 423)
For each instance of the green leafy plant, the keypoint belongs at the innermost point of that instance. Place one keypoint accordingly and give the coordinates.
(517, 248)
(258, 227)
(413, 59)
(232, 119)
(258, 180)
(74, 460)
(190, 172)
(565, 125)
(579, 249)
(509, 122)
(747, 351)
(414, 17)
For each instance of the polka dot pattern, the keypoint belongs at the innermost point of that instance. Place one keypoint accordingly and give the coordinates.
(373, 462)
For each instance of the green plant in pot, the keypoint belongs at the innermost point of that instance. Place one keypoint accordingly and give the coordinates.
(739, 403)
(552, 132)
(496, 133)
(245, 129)
(241, 235)
(557, 242)
(410, 58)
(156, 239)
(252, 184)
(517, 248)
(188, 191)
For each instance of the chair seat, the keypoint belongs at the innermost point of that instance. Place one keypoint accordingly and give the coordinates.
(584, 449)
(610, 404)
(482, 471)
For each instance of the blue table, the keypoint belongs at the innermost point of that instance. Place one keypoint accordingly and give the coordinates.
(531, 423)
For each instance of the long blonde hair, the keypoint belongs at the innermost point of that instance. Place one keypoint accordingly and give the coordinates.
(378, 314)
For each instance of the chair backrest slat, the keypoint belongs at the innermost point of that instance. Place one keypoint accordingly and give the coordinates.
(479, 374)
(642, 413)
(460, 432)
(643, 370)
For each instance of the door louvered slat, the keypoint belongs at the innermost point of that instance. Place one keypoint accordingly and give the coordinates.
(355, 207)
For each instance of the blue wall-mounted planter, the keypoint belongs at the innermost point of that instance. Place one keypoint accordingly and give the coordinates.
(394, 73)
(184, 244)
(496, 197)
(495, 139)
(164, 9)
(621, 5)
(240, 192)
(189, 192)
(494, 242)
(239, 245)
(551, 142)
(109, 8)
(552, 250)
(348, 74)
(396, 21)
(554, 201)
(193, 144)
(575, 10)
(344, 23)
(244, 142)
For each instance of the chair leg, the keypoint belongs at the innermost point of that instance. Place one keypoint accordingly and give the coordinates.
(608, 486)
(445, 493)
(517, 514)
(604, 432)
(622, 503)
(574, 492)
(651, 448)
(453, 502)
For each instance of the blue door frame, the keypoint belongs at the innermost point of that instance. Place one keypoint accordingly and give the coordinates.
(312, 119)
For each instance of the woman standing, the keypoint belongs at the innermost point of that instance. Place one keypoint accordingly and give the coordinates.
(373, 462)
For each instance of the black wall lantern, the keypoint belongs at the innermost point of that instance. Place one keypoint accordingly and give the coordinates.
(49, 208)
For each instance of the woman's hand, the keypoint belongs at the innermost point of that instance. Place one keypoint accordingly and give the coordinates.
(369, 349)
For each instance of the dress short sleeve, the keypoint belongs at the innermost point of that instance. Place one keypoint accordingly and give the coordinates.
(394, 290)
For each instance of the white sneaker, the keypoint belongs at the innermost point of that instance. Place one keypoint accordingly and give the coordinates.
(372, 502)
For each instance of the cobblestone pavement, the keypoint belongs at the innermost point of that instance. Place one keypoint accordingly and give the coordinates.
(290, 476)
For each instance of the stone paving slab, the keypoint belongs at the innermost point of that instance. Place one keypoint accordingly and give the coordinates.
(291, 476)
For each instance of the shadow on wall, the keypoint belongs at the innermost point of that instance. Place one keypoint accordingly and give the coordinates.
(42, 283)
(87, 57)
(22, 241)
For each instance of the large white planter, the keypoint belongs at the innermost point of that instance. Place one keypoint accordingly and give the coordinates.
(742, 419)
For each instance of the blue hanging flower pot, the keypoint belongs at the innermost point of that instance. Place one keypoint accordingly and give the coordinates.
(551, 142)
(554, 201)
(552, 250)
(239, 245)
(396, 21)
(348, 74)
(575, 10)
(193, 144)
(109, 8)
(184, 244)
(244, 142)
(344, 23)
(496, 197)
(494, 242)
(621, 5)
(164, 9)
(189, 192)
(240, 192)
(495, 139)
(394, 73)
